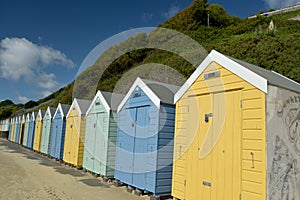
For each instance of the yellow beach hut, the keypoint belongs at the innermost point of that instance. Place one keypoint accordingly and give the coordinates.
(75, 132)
(38, 130)
(237, 133)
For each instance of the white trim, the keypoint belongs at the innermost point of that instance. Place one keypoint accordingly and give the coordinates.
(27, 118)
(102, 99)
(23, 118)
(139, 82)
(16, 120)
(47, 111)
(33, 116)
(40, 114)
(61, 111)
(77, 107)
(239, 70)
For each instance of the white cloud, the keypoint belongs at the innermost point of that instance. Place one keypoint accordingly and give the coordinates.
(173, 10)
(281, 3)
(22, 59)
(23, 99)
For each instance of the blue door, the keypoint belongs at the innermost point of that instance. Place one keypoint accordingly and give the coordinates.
(17, 133)
(125, 146)
(30, 134)
(132, 147)
(140, 147)
(57, 136)
(53, 135)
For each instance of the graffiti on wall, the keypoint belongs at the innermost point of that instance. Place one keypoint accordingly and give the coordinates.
(284, 146)
(283, 181)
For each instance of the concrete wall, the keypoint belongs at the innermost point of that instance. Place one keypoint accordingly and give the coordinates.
(283, 144)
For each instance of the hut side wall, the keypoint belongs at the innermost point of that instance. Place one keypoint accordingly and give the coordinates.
(112, 137)
(163, 176)
(283, 144)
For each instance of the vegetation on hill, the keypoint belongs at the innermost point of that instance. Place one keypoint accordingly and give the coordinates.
(210, 26)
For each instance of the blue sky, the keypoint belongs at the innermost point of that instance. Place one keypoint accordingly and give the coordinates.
(43, 43)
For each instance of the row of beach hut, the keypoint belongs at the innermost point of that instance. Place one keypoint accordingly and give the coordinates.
(230, 132)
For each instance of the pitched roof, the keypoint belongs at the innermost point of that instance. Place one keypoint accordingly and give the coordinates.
(81, 105)
(109, 100)
(64, 109)
(51, 112)
(41, 113)
(257, 76)
(33, 116)
(113, 99)
(158, 92)
(273, 77)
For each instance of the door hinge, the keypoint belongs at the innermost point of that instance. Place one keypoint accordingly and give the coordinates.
(241, 103)
(240, 196)
(184, 183)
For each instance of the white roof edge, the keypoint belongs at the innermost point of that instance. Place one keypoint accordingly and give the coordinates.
(139, 82)
(192, 78)
(239, 70)
(74, 103)
(102, 99)
(47, 111)
(61, 110)
(40, 114)
(33, 115)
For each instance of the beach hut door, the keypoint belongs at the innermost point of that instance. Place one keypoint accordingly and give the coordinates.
(216, 150)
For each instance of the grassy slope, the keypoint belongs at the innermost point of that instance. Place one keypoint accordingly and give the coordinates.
(245, 39)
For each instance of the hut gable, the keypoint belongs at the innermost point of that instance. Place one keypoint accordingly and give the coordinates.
(27, 117)
(256, 76)
(109, 100)
(33, 116)
(49, 113)
(156, 91)
(63, 109)
(80, 105)
(40, 115)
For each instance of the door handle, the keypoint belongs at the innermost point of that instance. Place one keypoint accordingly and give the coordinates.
(205, 183)
(207, 116)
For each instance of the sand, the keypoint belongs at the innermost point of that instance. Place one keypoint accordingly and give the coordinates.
(25, 174)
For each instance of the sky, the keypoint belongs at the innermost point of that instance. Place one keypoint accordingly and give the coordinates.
(43, 43)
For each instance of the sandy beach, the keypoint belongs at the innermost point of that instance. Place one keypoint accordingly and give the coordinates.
(25, 174)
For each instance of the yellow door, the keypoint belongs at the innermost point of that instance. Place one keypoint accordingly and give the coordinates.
(68, 139)
(214, 156)
(75, 140)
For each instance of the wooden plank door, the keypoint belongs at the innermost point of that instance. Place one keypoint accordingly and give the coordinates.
(140, 147)
(216, 149)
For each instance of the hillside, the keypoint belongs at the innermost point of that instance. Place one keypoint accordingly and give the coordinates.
(245, 39)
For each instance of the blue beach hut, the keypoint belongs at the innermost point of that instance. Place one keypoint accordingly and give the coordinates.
(46, 130)
(58, 129)
(18, 129)
(31, 130)
(26, 130)
(144, 147)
